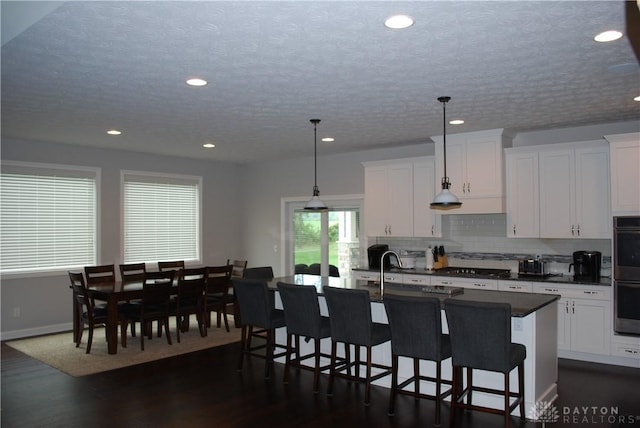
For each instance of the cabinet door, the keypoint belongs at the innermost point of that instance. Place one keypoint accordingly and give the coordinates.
(593, 217)
(375, 201)
(456, 165)
(483, 168)
(564, 325)
(426, 222)
(625, 176)
(557, 200)
(590, 326)
(400, 199)
(523, 219)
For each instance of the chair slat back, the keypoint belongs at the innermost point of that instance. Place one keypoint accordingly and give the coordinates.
(175, 265)
(238, 267)
(100, 274)
(219, 279)
(132, 272)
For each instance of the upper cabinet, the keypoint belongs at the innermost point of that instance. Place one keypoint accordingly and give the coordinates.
(475, 167)
(523, 194)
(574, 191)
(559, 191)
(624, 152)
(397, 195)
(388, 199)
(426, 222)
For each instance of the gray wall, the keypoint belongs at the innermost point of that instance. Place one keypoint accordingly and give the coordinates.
(241, 207)
(45, 302)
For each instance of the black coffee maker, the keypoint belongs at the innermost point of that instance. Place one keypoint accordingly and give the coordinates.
(375, 253)
(586, 265)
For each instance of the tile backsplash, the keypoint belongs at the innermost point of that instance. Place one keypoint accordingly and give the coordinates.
(480, 240)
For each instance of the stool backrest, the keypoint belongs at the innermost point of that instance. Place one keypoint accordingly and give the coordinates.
(255, 300)
(349, 315)
(480, 334)
(301, 309)
(416, 326)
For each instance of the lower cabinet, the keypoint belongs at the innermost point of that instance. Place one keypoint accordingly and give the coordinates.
(584, 317)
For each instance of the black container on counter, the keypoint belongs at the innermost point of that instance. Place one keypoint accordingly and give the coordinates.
(586, 265)
(375, 253)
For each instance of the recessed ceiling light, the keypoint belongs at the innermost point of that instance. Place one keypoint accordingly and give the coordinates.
(398, 22)
(328, 139)
(456, 122)
(637, 98)
(196, 82)
(209, 145)
(608, 36)
(114, 132)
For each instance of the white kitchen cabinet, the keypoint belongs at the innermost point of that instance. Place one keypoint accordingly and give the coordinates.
(426, 222)
(365, 275)
(584, 317)
(574, 191)
(478, 283)
(475, 168)
(523, 194)
(388, 200)
(624, 153)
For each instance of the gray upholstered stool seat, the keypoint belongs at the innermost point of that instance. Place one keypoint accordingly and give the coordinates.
(481, 339)
(416, 333)
(257, 309)
(302, 316)
(351, 324)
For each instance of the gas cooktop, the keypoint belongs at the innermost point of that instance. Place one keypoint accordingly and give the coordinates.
(479, 272)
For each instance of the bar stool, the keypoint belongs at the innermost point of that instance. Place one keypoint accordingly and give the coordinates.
(351, 324)
(481, 339)
(257, 309)
(416, 333)
(302, 316)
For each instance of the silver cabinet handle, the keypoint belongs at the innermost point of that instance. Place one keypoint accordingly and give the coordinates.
(573, 307)
(566, 307)
(468, 187)
(432, 230)
(572, 230)
(463, 186)
(514, 230)
(578, 230)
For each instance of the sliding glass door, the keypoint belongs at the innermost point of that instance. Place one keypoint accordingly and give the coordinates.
(330, 239)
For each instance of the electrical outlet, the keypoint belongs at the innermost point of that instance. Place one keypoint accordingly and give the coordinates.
(16, 312)
(517, 324)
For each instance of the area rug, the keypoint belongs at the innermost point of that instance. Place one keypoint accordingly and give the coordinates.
(59, 351)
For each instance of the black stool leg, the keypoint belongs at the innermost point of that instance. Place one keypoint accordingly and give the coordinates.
(394, 383)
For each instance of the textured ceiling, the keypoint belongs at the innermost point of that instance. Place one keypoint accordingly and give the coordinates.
(88, 66)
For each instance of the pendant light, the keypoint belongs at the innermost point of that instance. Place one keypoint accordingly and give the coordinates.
(315, 204)
(445, 200)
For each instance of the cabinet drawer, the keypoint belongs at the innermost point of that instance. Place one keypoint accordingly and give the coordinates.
(517, 286)
(416, 279)
(618, 350)
(392, 277)
(365, 276)
(574, 292)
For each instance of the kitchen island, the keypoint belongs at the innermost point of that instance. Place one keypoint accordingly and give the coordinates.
(534, 324)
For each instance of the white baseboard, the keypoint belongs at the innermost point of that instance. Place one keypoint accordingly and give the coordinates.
(36, 331)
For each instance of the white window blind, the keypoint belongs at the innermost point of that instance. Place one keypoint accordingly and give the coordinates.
(161, 218)
(48, 217)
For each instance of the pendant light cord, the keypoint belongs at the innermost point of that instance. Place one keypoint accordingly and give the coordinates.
(444, 101)
(315, 122)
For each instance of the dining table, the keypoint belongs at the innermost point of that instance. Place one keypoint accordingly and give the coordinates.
(113, 293)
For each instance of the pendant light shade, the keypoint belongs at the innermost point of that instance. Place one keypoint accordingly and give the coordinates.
(445, 200)
(315, 204)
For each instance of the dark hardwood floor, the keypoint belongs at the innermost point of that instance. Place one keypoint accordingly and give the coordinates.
(203, 389)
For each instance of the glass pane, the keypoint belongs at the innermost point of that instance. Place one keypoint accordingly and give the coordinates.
(344, 245)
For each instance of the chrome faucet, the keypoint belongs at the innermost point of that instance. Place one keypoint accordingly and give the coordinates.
(382, 268)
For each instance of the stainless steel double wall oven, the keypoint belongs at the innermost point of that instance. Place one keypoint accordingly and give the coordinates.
(626, 274)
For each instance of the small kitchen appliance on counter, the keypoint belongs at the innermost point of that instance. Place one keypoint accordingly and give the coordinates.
(532, 267)
(375, 253)
(586, 265)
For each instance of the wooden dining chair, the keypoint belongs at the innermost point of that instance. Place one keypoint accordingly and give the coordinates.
(176, 265)
(232, 306)
(100, 274)
(217, 291)
(238, 267)
(154, 305)
(190, 300)
(89, 314)
(132, 272)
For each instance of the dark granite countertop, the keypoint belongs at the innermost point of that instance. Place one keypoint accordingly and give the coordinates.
(555, 279)
(522, 304)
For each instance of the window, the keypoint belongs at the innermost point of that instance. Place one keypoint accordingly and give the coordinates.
(161, 217)
(49, 217)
